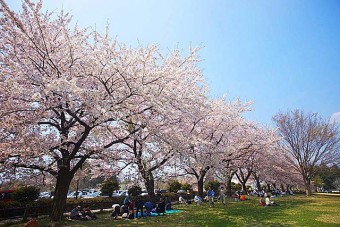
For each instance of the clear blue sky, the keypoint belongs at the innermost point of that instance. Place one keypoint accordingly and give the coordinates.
(283, 55)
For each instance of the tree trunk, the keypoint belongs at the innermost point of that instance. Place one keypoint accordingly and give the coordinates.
(268, 187)
(244, 187)
(243, 179)
(64, 179)
(200, 186)
(282, 188)
(229, 185)
(308, 187)
(258, 183)
(149, 182)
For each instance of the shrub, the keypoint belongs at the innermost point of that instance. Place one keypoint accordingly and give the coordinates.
(109, 186)
(186, 186)
(26, 194)
(214, 185)
(236, 187)
(174, 186)
(10, 204)
(135, 190)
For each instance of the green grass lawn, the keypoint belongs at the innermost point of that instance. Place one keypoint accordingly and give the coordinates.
(318, 210)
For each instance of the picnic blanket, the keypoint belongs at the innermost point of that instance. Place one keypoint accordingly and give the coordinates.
(155, 214)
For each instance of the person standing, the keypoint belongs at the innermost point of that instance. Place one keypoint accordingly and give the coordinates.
(211, 195)
(127, 200)
(222, 195)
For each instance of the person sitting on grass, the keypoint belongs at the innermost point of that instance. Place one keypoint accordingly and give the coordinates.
(76, 214)
(181, 200)
(161, 207)
(198, 200)
(115, 211)
(236, 196)
(261, 201)
(269, 202)
(88, 213)
(168, 203)
(148, 208)
(124, 211)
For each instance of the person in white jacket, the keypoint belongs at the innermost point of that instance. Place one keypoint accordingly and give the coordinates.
(198, 200)
(269, 202)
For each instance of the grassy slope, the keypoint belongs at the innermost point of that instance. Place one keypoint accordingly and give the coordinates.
(317, 210)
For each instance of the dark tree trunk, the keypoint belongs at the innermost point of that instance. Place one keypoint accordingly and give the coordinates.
(268, 187)
(64, 179)
(282, 188)
(258, 183)
(200, 186)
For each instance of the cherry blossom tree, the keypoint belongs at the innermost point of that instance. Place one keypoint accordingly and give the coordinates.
(263, 140)
(151, 148)
(68, 95)
(274, 168)
(205, 135)
(245, 147)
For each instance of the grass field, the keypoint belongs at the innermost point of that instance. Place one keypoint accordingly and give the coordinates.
(297, 210)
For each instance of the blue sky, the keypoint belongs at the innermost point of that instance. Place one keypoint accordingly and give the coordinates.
(282, 55)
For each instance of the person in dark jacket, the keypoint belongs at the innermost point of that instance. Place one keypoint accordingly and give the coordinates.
(139, 207)
(160, 207)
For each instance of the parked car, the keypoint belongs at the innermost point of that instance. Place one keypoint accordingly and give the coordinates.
(81, 194)
(181, 191)
(120, 193)
(92, 195)
(45, 195)
(144, 193)
(160, 191)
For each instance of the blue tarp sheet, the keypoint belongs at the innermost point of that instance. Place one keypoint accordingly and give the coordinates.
(155, 214)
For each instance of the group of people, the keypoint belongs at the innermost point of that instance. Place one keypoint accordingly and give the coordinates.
(135, 209)
(265, 199)
(82, 214)
(274, 192)
(210, 197)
